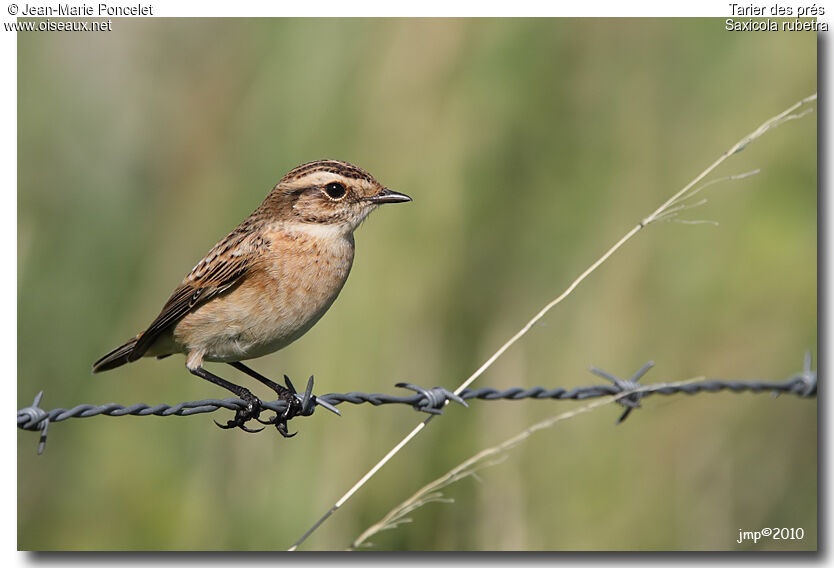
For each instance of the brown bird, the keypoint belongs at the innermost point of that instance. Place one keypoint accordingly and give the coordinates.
(267, 282)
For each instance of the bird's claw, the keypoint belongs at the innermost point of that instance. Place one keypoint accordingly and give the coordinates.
(243, 415)
(235, 424)
(280, 423)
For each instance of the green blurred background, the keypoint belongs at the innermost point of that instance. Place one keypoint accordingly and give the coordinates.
(529, 147)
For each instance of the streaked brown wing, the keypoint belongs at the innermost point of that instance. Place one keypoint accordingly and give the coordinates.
(221, 269)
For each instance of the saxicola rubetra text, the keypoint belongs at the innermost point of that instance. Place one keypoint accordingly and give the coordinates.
(267, 282)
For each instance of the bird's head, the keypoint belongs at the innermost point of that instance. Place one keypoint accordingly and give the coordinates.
(330, 194)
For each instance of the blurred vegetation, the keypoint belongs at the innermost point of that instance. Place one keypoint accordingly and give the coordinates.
(529, 146)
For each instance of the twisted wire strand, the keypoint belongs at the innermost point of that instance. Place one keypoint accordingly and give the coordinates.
(794, 385)
(803, 384)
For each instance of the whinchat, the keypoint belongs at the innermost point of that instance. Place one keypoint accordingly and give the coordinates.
(267, 282)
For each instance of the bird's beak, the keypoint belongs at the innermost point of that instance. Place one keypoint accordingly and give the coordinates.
(389, 196)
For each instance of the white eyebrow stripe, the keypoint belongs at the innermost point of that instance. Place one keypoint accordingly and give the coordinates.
(321, 178)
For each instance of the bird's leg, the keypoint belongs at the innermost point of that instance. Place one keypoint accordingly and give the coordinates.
(253, 403)
(285, 394)
(281, 391)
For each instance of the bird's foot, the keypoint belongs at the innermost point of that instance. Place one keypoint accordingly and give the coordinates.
(297, 404)
(243, 415)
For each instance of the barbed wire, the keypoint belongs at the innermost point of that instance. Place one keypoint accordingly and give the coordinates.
(432, 400)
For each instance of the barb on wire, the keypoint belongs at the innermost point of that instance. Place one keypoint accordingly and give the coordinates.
(631, 401)
(431, 401)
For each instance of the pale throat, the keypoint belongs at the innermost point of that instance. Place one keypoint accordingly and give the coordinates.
(323, 231)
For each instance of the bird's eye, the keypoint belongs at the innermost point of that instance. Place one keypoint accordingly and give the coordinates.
(335, 190)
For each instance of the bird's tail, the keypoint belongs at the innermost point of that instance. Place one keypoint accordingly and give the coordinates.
(116, 358)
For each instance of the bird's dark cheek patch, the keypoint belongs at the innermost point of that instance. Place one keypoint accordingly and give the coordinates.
(318, 209)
